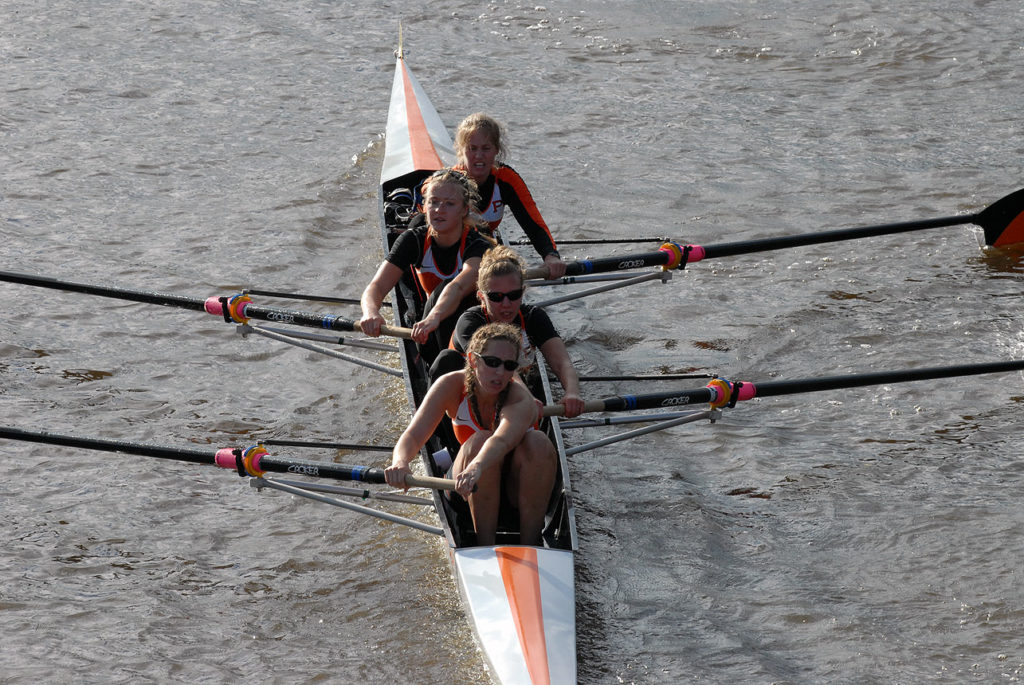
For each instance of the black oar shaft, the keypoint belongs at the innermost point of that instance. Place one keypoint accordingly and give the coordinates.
(605, 264)
(217, 306)
(646, 377)
(329, 445)
(247, 310)
(193, 456)
(1002, 221)
(599, 241)
(297, 318)
(746, 391)
(224, 458)
(694, 253)
(304, 296)
(741, 247)
(672, 398)
(320, 469)
(775, 388)
(194, 303)
(266, 462)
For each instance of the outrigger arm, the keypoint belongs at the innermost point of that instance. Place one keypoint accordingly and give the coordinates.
(246, 330)
(663, 276)
(688, 417)
(303, 490)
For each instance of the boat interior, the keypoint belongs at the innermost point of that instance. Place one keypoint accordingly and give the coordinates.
(397, 206)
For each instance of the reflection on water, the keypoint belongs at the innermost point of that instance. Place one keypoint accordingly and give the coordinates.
(1005, 260)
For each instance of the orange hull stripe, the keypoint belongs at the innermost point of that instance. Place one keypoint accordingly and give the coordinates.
(421, 147)
(522, 585)
(1014, 233)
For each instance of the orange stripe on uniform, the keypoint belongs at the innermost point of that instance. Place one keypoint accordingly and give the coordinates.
(522, 586)
(421, 147)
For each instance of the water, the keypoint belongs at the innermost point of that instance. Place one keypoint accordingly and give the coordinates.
(871, 535)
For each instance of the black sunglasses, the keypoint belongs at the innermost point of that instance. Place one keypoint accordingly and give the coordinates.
(495, 362)
(512, 295)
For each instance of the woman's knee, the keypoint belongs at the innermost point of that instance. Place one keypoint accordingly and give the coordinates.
(469, 450)
(537, 451)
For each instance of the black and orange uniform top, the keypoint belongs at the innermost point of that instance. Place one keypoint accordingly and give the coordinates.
(533, 321)
(415, 251)
(504, 187)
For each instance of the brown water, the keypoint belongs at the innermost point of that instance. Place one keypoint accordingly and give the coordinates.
(865, 536)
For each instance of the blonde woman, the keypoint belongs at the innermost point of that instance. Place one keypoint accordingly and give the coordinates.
(481, 153)
(500, 290)
(442, 253)
(500, 454)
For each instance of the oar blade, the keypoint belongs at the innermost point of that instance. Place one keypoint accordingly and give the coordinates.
(1003, 220)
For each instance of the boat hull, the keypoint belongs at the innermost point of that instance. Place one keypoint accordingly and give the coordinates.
(532, 589)
(520, 599)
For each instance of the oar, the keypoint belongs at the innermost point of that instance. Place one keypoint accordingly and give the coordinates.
(304, 296)
(253, 461)
(720, 392)
(1002, 221)
(238, 308)
(329, 445)
(599, 241)
(644, 377)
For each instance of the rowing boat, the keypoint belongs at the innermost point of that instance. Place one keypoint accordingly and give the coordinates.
(520, 599)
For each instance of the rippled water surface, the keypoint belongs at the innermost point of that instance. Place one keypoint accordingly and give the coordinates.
(871, 535)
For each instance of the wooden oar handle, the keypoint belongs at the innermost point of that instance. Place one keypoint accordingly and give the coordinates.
(537, 272)
(395, 331)
(559, 409)
(429, 482)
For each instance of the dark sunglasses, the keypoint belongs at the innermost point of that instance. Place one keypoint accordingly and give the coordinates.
(512, 295)
(495, 362)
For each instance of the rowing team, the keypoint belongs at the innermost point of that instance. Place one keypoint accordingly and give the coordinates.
(475, 353)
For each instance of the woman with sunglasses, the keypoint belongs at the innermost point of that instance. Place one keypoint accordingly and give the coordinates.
(492, 415)
(442, 253)
(481, 154)
(500, 288)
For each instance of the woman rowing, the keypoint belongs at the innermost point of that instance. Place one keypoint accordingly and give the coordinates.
(492, 416)
(481, 154)
(442, 253)
(500, 288)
